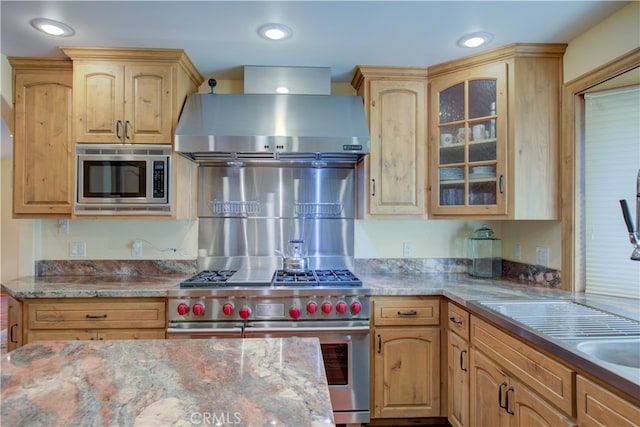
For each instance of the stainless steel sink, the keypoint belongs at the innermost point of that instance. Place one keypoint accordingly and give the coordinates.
(625, 352)
(565, 320)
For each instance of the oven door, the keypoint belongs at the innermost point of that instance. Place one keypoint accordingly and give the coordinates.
(204, 330)
(345, 351)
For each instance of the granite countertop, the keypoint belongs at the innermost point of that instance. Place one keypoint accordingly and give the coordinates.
(458, 287)
(244, 382)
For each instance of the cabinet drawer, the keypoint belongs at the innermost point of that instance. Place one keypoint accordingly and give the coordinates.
(550, 379)
(91, 314)
(598, 406)
(406, 311)
(458, 320)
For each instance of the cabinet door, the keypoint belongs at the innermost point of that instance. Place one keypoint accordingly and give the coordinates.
(529, 409)
(407, 372)
(488, 385)
(14, 323)
(43, 149)
(99, 102)
(468, 140)
(397, 120)
(147, 102)
(458, 381)
(597, 406)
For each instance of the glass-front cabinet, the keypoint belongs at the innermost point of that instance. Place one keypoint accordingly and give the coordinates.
(468, 131)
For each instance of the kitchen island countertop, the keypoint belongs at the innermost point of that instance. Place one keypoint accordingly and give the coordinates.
(244, 382)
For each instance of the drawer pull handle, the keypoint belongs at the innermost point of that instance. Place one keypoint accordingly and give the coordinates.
(11, 336)
(379, 344)
(504, 384)
(461, 363)
(456, 321)
(506, 404)
(96, 316)
(408, 313)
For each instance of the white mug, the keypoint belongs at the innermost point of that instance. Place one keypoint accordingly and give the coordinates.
(446, 139)
(478, 132)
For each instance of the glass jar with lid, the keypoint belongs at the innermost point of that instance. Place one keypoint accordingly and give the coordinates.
(485, 253)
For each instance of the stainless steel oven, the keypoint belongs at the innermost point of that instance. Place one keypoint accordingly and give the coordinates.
(337, 315)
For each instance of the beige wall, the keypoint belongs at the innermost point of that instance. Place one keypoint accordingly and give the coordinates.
(24, 241)
(613, 37)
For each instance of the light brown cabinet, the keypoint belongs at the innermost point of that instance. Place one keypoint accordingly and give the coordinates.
(494, 132)
(598, 406)
(392, 176)
(131, 96)
(513, 384)
(94, 318)
(457, 366)
(406, 357)
(42, 145)
(14, 323)
(498, 399)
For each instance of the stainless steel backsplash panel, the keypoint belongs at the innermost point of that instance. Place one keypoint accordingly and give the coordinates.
(254, 210)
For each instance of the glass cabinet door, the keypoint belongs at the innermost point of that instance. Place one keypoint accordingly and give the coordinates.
(469, 125)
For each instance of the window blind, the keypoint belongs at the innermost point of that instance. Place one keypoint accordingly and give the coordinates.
(612, 160)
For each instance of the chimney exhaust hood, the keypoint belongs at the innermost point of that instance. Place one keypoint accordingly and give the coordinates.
(265, 126)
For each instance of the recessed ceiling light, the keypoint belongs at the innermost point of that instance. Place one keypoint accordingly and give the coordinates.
(273, 31)
(475, 40)
(51, 27)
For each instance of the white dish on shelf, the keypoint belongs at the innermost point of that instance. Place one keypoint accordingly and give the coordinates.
(451, 174)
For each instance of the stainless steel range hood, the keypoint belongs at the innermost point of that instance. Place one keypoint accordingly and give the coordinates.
(280, 127)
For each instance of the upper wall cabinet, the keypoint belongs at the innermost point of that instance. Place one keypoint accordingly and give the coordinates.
(42, 147)
(130, 96)
(494, 134)
(392, 176)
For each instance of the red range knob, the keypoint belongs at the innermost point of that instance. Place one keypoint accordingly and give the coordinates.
(294, 312)
(326, 307)
(356, 307)
(183, 309)
(312, 307)
(227, 309)
(341, 307)
(198, 309)
(245, 312)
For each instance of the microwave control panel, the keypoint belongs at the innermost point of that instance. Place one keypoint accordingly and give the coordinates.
(158, 180)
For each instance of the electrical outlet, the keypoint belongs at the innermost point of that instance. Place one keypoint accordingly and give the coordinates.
(136, 249)
(63, 226)
(517, 251)
(407, 248)
(77, 249)
(542, 256)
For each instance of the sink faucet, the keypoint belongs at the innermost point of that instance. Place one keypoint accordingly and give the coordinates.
(634, 236)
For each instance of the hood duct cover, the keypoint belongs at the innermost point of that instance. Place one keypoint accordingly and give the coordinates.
(272, 127)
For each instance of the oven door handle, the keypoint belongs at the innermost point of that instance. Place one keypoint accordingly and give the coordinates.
(203, 330)
(331, 329)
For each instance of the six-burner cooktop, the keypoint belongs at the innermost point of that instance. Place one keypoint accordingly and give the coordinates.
(320, 278)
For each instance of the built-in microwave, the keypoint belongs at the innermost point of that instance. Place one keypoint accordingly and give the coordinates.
(123, 179)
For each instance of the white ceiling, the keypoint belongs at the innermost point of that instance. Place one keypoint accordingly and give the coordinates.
(220, 36)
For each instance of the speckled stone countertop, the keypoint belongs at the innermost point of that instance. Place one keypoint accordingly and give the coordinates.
(243, 382)
(458, 287)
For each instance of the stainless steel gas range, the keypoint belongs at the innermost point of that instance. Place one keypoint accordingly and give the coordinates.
(330, 304)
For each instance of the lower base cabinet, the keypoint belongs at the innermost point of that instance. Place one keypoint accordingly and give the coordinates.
(94, 319)
(458, 381)
(497, 399)
(406, 357)
(598, 406)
